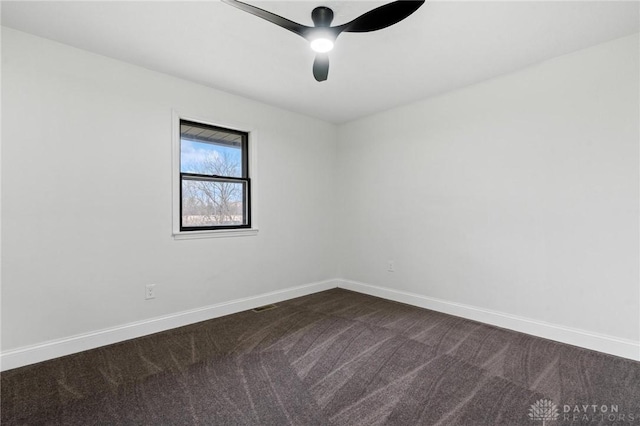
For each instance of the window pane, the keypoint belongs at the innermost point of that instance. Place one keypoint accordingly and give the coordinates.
(210, 151)
(213, 203)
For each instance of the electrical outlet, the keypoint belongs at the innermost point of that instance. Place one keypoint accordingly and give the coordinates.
(150, 291)
(391, 267)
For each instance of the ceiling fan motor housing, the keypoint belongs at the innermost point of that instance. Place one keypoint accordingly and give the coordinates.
(322, 16)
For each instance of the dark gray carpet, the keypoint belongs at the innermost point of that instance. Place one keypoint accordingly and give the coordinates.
(332, 358)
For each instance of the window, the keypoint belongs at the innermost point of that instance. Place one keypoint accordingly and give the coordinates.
(215, 189)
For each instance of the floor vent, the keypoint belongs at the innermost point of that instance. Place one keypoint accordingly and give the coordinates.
(264, 308)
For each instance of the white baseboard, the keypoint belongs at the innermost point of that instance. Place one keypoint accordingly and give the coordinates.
(56, 348)
(603, 343)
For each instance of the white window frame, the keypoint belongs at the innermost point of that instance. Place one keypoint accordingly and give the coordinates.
(175, 180)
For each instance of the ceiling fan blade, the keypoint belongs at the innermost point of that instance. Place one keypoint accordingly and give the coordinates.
(301, 30)
(321, 67)
(382, 17)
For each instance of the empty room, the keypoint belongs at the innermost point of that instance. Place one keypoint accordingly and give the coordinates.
(227, 212)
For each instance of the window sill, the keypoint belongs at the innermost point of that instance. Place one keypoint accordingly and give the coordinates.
(218, 233)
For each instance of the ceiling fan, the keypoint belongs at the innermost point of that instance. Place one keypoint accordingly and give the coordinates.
(322, 36)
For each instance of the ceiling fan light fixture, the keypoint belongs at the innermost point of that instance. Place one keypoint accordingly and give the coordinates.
(322, 35)
(322, 45)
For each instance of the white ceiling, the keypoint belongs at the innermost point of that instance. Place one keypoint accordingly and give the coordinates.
(443, 46)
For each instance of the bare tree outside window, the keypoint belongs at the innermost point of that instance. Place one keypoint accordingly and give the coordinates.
(213, 202)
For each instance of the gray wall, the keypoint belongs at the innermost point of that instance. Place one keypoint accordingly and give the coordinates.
(86, 196)
(517, 195)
